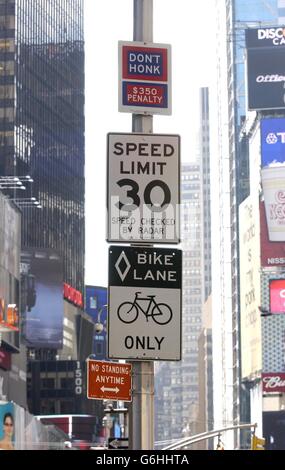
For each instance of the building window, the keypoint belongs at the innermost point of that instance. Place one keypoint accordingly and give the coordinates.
(66, 383)
(47, 383)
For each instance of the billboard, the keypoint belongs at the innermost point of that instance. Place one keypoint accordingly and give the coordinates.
(96, 307)
(251, 356)
(265, 37)
(42, 298)
(273, 325)
(272, 253)
(265, 78)
(272, 141)
(277, 295)
(10, 245)
(273, 185)
(7, 426)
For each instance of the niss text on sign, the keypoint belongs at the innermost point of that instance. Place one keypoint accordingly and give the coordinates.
(109, 380)
(144, 78)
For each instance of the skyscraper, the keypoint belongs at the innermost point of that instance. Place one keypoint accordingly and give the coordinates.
(177, 383)
(231, 175)
(177, 390)
(42, 122)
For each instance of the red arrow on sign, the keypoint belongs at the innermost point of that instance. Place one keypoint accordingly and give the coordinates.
(109, 380)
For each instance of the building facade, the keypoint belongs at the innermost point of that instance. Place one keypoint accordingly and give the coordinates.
(232, 186)
(42, 122)
(12, 351)
(179, 411)
(42, 136)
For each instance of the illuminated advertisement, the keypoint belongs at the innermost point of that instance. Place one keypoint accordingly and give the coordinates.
(265, 37)
(265, 78)
(265, 68)
(273, 321)
(7, 426)
(10, 230)
(272, 253)
(96, 307)
(273, 185)
(251, 352)
(277, 295)
(42, 298)
(272, 141)
(72, 295)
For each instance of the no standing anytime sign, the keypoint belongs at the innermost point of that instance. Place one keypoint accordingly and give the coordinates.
(109, 380)
(143, 188)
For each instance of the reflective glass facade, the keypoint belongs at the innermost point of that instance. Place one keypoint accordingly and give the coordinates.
(240, 15)
(42, 121)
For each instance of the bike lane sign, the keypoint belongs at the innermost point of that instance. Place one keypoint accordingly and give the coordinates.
(144, 321)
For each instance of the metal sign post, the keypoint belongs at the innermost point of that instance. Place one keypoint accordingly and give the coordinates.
(141, 420)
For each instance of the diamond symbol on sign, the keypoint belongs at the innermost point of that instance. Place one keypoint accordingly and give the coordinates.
(124, 260)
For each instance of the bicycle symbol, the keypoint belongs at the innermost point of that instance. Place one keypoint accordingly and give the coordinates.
(161, 313)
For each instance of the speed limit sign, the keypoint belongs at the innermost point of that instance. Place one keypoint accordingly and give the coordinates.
(143, 188)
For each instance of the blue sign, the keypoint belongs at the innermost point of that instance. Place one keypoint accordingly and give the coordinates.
(144, 78)
(145, 63)
(272, 141)
(96, 307)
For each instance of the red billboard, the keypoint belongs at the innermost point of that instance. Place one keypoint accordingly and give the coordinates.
(72, 295)
(273, 383)
(277, 295)
(272, 253)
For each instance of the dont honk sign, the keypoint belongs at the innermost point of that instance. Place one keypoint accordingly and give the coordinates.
(144, 78)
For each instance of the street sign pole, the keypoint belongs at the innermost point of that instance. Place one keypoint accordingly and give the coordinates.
(141, 419)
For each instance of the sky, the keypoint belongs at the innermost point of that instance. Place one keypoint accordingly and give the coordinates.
(190, 31)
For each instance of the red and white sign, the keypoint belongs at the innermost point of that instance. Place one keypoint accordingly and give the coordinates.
(273, 383)
(72, 295)
(277, 295)
(109, 380)
(144, 78)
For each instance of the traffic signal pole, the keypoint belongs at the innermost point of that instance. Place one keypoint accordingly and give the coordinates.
(141, 417)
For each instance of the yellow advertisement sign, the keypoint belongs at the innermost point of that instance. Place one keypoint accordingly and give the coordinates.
(249, 239)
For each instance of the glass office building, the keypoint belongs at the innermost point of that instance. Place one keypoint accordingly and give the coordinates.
(42, 122)
(243, 15)
(232, 177)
